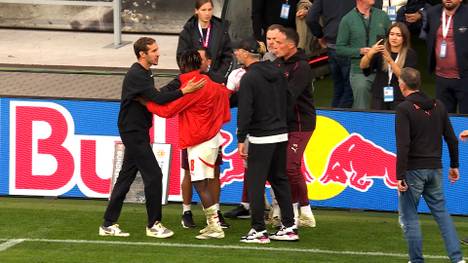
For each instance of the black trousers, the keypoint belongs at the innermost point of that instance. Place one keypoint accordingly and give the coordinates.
(268, 162)
(138, 156)
(453, 93)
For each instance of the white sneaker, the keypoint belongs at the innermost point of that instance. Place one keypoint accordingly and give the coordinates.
(112, 230)
(462, 261)
(285, 234)
(253, 236)
(159, 231)
(209, 232)
(307, 220)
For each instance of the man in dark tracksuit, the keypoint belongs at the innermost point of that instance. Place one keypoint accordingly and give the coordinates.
(420, 124)
(448, 52)
(301, 120)
(262, 116)
(134, 124)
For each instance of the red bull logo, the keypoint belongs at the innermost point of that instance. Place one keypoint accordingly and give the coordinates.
(233, 165)
(335, 160)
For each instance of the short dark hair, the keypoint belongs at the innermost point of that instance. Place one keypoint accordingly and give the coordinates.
(290, 34)
(411, 77)
(275, 27)
(190, 60)
(142, 45)
(199, 3)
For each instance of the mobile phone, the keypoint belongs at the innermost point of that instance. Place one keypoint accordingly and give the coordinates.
(380, 37)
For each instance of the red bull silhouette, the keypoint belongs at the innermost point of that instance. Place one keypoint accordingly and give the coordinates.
(235, 170)
(356, 161)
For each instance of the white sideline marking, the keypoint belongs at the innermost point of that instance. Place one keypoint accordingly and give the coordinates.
(247, 247)
(10, 243)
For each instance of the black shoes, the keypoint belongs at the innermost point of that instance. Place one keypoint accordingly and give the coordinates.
(238, 212)
(187, 220)
(223, 222)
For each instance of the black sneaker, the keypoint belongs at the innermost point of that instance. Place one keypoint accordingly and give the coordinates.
(187, 220)
(222, 222)
(238, 212)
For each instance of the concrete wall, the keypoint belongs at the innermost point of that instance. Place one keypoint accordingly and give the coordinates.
(159, 16)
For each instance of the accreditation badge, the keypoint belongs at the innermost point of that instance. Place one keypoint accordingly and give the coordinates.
(285, 11)
(388, 94)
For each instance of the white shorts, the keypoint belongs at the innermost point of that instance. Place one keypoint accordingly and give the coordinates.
(202, 160)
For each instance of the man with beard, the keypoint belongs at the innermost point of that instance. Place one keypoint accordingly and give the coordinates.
(447, 36)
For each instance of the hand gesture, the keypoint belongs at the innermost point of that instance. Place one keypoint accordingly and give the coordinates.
(242, 150)
(141, 100)
(386, 55)
(301, 13)
(464, 135)
(377, 48)
(402, 186)
(453, 175)
(413, 17)
(193, 86)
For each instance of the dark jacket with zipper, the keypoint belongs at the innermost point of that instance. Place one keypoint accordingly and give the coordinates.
(262, 102)
(301, 114)
(420, 124)
(139, 82)
(460, 34)
(219, 44)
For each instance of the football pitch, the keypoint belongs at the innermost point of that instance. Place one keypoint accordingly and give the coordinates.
(65, 230)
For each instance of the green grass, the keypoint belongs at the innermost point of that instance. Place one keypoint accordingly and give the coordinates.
(34, 218)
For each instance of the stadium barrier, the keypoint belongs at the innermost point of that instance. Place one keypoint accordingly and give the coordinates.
(65, 148)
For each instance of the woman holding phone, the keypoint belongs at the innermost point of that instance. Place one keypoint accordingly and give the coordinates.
(386, 58)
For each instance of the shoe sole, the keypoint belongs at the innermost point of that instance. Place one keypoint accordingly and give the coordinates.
(160, 236)
(112, 235)
(109, 234)
(244, 217)
(185, 226)
(284, 239)
(254, 241)
(205, 237)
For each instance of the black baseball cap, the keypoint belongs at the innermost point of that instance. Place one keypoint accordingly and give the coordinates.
(248, 44)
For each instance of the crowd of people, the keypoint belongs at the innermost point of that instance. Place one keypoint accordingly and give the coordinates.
(372, 64)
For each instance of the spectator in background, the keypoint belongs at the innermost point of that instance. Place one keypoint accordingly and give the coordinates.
(268, 12)
(203, 30)
(413, 14)
(358, 31)
(301, 120)
(391, 7)
(330, 13)
(387, 58)
(420, 124)
(447, 45)
(305, 37)
(464, 136)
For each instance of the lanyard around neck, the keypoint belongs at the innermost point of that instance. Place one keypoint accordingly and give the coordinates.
(390, 71)
(205, 39)
(366, 27)
(445, 24)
